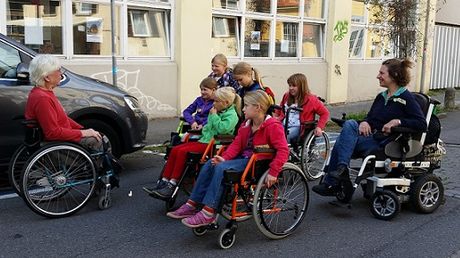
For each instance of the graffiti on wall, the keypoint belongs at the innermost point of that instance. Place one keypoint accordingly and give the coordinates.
(128, 81)
(340, 30)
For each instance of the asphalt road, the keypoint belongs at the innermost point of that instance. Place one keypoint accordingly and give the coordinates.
(137, 227)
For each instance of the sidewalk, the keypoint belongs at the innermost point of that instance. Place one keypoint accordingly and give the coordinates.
(159, 129)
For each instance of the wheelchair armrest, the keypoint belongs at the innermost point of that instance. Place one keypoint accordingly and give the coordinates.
(31, 123)
(264, 150)
(276, 107)
(224, 138)
(182, 118)
(195, 132)
(405, 130)
(338, 121)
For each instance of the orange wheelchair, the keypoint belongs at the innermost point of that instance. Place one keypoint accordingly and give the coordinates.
(277, 211)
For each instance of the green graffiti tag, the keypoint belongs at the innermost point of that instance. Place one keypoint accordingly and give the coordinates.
(341, 29)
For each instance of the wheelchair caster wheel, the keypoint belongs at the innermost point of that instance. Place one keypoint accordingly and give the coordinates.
(201, 231)
(385, 205)
(227, 238)
(105, 203)
(169, 204)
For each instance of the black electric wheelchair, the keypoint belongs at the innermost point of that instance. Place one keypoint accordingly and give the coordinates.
(308, 151)
(56, 179)
(277, 211)
(402, 171)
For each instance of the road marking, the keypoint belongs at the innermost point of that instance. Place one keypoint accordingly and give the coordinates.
(8, 196)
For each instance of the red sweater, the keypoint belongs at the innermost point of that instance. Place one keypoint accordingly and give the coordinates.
(270, 133)
(43, 106)
(310, 107)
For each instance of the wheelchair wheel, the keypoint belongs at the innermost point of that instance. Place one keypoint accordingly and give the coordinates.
(58, 180)
(200, 231)
(227, 238)
(280, 209)
(314, 154)
(169, 204)
(17, 162)
(344, 191)
(427, 193)
(385, 205)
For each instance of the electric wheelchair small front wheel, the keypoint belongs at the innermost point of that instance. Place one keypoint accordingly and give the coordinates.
(227, 238)
(427, 193)
(385, 205)
(344, 191)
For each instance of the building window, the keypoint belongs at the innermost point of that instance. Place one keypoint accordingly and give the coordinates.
(225, 36)
(148, 34)
(37, 25)
(92, 29)
(365, 39)
(286, 39)
(295, 33)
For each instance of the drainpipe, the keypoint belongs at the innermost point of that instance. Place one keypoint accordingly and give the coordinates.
(112, 25)
(425, 44)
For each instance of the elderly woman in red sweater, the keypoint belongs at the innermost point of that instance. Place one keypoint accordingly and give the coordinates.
(43, 106)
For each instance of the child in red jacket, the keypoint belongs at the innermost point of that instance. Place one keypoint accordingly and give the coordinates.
(258, 130)
(299, 95)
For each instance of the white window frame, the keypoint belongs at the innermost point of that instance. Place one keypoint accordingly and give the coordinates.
(365, 26)
(242, 14)
(145, 21)
(225, 28)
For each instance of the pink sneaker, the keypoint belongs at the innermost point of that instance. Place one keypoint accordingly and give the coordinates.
(184, 211)
(198, 220)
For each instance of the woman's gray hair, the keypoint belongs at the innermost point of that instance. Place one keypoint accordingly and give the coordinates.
(41, 66)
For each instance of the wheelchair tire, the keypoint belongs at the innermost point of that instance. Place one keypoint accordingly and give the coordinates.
(314, 154)
(427, 193)
(58, 180)
(15, 166)
(280, 209)
(344, 191)
(385, 205)
(200, 231)
(227, 238)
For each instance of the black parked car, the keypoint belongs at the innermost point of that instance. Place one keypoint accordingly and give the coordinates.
(92, 103)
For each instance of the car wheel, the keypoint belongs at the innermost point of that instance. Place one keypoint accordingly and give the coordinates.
(108, 131)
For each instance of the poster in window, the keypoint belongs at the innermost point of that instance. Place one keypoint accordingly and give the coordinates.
(94, 30)
(255, 40)
(284, 46)
(33, 31)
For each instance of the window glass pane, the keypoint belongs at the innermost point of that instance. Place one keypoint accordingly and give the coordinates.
(288, 7)
(312, 40)
(261, 6)
(148, 33)
(356, 42)
(375, 44)
(256, 38)
(313, 8)
(357, 11)
(36, 24)
(226, 4)
(92, 30)
(225, 36)
(286, 39)
(9, 60)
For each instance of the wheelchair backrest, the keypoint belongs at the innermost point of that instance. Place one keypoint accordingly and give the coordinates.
(416, 142)
(33, 133)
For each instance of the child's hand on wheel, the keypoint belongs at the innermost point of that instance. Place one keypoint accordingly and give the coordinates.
(270, 180)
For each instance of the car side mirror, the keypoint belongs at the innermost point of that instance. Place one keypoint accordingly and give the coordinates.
(22, 71)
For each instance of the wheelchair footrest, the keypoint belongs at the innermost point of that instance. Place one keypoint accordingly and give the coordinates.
(382, 182)
(232, 176)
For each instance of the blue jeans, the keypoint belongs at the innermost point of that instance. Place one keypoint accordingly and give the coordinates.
(349, 143)
(209, 186)
(293, 134)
